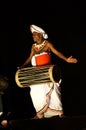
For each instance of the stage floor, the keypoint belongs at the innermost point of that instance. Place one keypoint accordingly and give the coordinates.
(54, 123)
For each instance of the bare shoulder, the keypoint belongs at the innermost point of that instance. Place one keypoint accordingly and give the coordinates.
(33, 48)
(32, 45)
(49, 44)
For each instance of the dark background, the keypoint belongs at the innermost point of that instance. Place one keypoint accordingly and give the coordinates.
(65, 24)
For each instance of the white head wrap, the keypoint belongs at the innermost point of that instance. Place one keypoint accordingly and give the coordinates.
(35, 28)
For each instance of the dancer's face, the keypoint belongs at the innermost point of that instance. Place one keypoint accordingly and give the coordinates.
(37, 37)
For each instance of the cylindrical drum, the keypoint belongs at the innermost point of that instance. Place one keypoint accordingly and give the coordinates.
(28, 76)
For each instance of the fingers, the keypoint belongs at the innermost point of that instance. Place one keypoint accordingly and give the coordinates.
(70, 56)
(72, 60)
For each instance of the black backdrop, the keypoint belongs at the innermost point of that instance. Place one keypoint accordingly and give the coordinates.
(65, 24)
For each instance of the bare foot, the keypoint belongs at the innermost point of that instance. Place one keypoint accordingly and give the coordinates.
(59, 112)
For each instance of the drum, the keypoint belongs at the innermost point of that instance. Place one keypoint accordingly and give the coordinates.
(28, 76)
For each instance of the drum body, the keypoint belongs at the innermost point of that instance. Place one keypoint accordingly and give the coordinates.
(26, 77)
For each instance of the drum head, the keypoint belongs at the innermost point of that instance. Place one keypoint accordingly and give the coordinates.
(56, 73)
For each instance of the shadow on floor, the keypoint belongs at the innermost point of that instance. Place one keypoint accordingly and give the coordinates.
(54, 123)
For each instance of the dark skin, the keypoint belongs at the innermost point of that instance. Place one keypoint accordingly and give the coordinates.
(37, 37)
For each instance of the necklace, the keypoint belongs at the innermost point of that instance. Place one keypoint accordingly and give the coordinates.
(38, 47)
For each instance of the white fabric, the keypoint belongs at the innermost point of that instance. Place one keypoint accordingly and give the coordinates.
(33, 61)
(38, 94)
(35, 28)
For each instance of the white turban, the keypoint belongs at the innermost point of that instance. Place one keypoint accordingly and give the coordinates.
(37, 29)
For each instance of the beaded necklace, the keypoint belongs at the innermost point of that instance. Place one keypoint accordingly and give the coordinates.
(39, 47)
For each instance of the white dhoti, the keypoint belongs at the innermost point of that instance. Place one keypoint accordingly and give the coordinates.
(38, 94)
